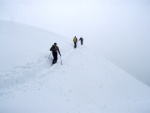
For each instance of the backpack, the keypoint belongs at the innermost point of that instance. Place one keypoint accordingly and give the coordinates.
(75, 39)
(53, 48)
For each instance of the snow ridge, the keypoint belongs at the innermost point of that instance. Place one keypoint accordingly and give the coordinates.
(85, 83)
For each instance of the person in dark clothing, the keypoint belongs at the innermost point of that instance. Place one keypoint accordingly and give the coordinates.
(81, 39)
(75, 41)
(54, 50)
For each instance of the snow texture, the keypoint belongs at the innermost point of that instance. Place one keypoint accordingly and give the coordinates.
(85, 83)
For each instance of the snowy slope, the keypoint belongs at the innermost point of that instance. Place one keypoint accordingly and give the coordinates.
(21, 43)
(21, 46)
(85, 83)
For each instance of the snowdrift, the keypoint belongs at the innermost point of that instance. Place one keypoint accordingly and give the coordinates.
(85, 83)
(21, 47)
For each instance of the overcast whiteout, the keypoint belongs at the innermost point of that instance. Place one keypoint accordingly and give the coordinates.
(109, 73)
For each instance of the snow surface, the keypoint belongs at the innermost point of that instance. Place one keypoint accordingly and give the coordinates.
(85, 83)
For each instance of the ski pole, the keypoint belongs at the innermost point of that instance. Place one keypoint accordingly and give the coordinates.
(61, 61)
(51, 57)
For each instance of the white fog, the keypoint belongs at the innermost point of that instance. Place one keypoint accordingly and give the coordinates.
(119, 30)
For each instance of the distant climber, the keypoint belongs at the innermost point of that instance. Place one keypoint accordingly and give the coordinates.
(81, 39)
(54, 50)
(75, 40)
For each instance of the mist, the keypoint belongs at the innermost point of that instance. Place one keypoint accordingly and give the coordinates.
(118, 29)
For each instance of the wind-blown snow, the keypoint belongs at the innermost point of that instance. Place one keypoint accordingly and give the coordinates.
(85, 83)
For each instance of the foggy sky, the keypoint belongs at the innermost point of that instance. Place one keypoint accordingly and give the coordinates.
(119, 29)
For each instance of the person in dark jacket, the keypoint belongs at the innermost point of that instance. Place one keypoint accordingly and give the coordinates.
(54, 50)
(81, 39)
(75, 40)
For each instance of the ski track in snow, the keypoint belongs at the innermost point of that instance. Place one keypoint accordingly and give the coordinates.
(85, 83)
(19, 75)
(81, 69)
